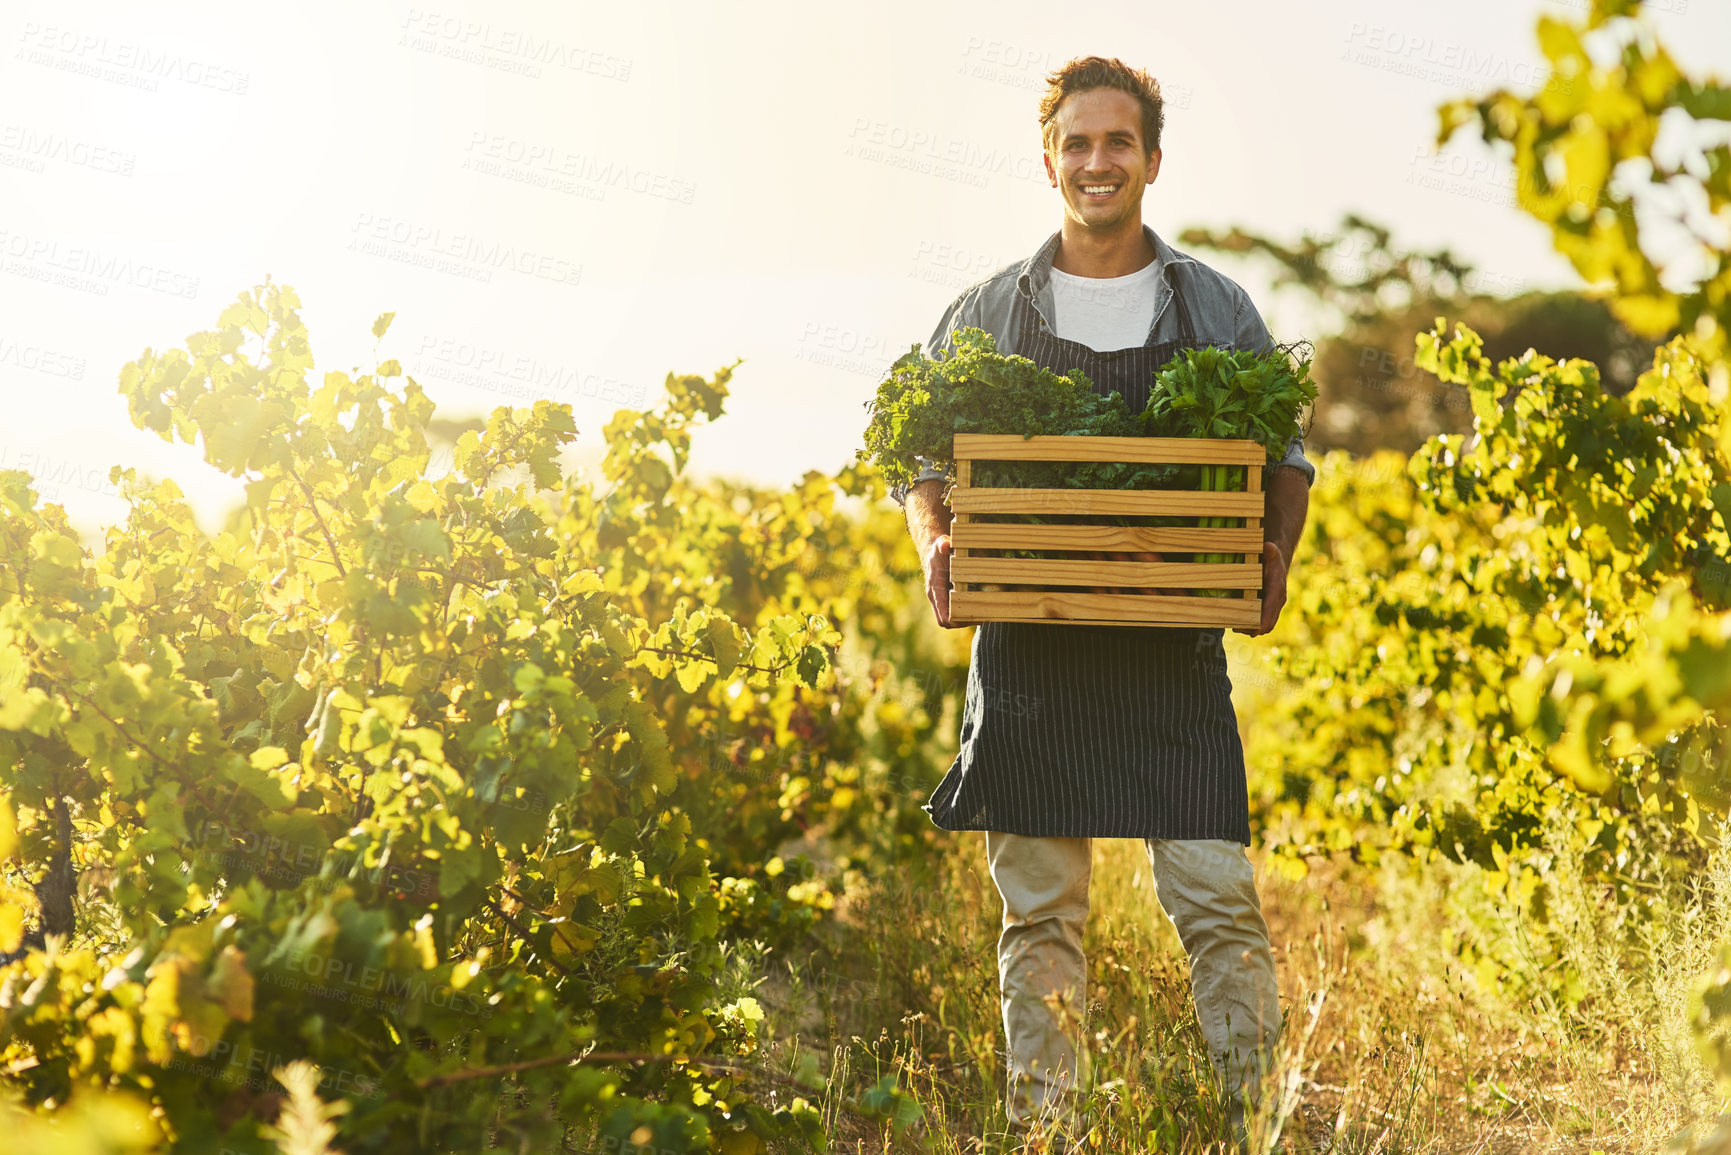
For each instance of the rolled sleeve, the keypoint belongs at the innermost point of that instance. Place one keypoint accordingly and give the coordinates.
(1251, 333)
(957, 316)
(928, 472)
(1295, 457)
(1248, 330)
(963, 313)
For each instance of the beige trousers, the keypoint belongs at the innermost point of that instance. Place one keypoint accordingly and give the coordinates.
(1207, 889)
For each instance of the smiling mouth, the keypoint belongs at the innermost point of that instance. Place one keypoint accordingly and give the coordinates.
(1098, 190)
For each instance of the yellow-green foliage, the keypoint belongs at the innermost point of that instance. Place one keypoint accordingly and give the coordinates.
(432, 781)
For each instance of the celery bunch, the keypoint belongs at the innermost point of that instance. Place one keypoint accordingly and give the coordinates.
(1214, 392)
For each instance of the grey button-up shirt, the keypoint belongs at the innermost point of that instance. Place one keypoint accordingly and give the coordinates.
(1220, 310)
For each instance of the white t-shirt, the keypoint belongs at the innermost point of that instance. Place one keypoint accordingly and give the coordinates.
(1105, 313)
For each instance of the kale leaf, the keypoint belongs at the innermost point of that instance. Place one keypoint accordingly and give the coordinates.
(924, 402)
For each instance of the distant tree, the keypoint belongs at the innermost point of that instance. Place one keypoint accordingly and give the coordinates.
(1373, 395)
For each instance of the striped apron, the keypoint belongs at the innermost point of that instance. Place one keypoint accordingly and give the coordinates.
(1098, 731)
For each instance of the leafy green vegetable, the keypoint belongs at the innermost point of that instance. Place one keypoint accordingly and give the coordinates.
(1215, 392)
(924, 402)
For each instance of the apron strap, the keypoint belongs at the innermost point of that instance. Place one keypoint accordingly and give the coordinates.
(1186, 330)
(1024, 323)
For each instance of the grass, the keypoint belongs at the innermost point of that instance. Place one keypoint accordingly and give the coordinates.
(1391, 1046)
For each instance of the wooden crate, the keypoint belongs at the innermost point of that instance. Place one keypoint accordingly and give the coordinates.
(973, 564)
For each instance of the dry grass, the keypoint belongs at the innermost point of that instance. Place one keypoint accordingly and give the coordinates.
(1391, 1046)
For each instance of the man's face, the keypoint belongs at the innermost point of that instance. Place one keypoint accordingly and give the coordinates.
(1097, 162)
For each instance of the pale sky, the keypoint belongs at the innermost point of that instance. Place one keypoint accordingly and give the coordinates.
(571, 200)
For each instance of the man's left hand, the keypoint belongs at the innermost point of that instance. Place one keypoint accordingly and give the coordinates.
(1274, 567)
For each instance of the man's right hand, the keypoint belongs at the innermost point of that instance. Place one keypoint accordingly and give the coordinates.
(937, 563)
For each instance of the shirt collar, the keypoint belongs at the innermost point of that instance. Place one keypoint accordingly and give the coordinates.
(1037, 272)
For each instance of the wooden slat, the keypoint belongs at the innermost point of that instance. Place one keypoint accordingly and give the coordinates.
(1148, 502)
(964, 480)
(1087, 572)
(1184, 539)
(1169, 450)
(1254, 524)
(1103, 609)
(1155, 624)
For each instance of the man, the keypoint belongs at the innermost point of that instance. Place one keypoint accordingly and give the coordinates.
(1135, 735)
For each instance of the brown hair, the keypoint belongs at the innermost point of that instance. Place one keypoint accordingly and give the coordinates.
(1088, 72)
